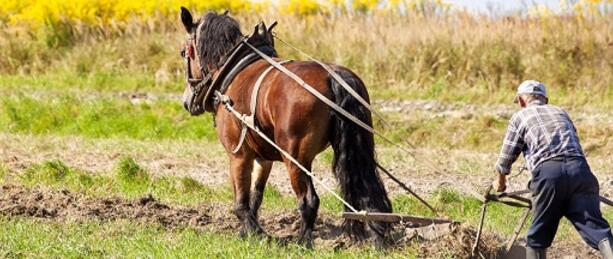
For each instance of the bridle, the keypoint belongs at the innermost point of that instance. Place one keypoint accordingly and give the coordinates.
(218, 78)
(197, 85)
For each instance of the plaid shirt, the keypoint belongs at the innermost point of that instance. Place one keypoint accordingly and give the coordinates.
(541, 132)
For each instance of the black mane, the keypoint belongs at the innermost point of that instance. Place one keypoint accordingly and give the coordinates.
(218, 34)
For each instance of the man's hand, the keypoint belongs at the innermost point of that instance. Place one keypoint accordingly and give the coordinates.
(501, 183)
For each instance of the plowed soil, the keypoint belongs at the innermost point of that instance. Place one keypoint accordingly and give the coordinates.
(62, 205)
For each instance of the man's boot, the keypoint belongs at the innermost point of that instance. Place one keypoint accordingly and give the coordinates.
(605, 248)
(536, 253)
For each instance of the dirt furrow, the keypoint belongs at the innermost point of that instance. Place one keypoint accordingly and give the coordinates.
(62, 205)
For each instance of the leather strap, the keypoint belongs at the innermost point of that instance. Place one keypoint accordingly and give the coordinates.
(258, 84)
(244, 62)
(253, 105)
(239, 59)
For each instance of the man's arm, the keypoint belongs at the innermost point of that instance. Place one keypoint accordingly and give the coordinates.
(500, 184)
(512, 146)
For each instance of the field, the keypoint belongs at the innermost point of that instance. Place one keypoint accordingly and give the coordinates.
(98, 158)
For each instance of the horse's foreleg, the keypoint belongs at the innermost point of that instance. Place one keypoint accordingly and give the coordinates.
(308, 201)
(261, 171)
(240, 172)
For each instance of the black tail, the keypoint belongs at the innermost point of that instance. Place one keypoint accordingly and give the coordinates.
(355, 165)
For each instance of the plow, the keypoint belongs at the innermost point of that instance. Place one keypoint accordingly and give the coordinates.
(514, 199)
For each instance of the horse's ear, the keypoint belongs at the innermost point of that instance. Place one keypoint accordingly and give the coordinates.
(261, 29)
(187, 19)
(256, 30)
(272, 26)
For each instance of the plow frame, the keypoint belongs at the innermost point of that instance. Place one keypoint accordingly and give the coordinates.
(513, 199)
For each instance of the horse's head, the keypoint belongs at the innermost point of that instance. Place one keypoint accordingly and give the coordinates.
(209, 40)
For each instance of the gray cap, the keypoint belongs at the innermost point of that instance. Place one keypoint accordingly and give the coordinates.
(530, 87)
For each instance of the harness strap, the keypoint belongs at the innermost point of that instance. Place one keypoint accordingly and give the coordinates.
(323, 98)
(253, 105)
(244, 62)
(258, 84)
(342, 82)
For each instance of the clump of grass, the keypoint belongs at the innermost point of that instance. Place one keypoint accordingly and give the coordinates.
(56, 169)
(274, 199)
(48, 172)
(56, 173)
(128, 180)
(190, 185)
(446, 196)
(129, 171)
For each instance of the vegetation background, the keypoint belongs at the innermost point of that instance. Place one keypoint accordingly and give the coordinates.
(90, 87)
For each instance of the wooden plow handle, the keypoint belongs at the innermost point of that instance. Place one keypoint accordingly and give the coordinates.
(606, 201)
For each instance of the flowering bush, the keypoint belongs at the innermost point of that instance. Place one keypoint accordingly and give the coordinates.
(102, 12)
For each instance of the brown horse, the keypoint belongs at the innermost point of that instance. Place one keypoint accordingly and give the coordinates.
(296, 120)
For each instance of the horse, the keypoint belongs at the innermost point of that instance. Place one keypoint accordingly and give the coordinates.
(296, 120)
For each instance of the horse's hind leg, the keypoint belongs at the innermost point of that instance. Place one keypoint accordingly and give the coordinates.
(240, 172)
(261, 171)
(308, 201)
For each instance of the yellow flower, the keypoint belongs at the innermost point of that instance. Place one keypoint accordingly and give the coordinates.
(301, 7)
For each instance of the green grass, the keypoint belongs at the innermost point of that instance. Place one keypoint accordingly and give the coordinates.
(129, 180)
(96, 82)
(129, 171)
(21, 237)
(102, 118)
(108, 117)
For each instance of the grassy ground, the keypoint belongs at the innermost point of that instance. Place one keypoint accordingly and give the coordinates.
(32, 237)
(118, 113)
(39, 239)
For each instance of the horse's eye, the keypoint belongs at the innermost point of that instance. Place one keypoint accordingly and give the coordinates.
(182, 53)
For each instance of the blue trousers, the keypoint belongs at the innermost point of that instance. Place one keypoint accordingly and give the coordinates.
(565, 187)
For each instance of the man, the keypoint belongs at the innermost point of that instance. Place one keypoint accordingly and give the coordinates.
(562, 183)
